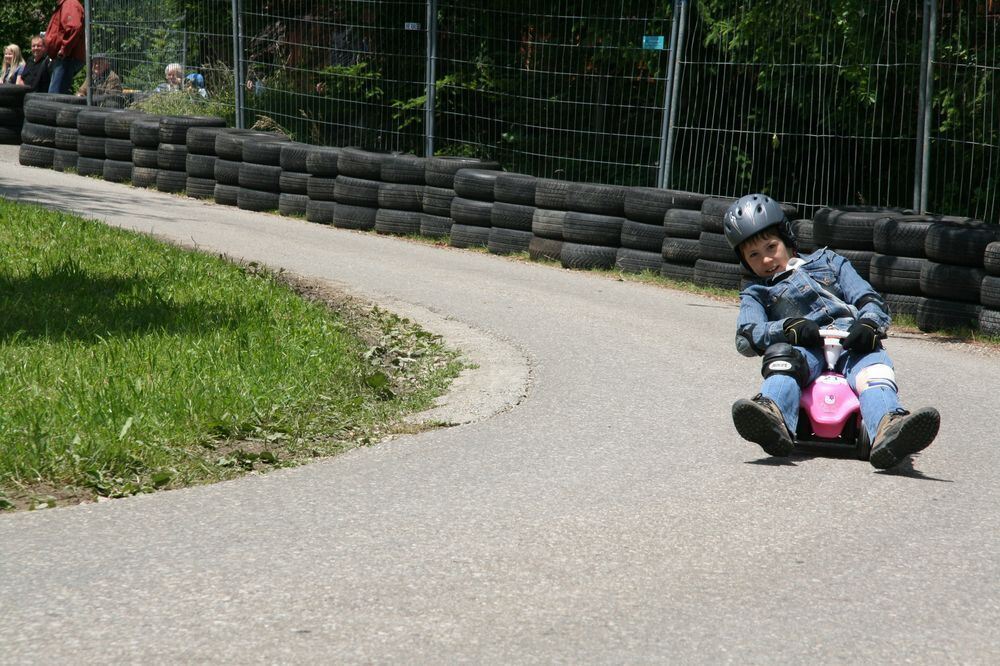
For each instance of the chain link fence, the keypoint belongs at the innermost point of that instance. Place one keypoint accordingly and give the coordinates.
(882, 103)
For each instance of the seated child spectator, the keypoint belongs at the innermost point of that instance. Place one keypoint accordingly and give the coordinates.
(102, 77)
(779, 319)
(37, 71)
(195, 84)
(173, 74)
(13, 64)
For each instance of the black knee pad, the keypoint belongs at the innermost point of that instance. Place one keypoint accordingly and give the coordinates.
(783, 359)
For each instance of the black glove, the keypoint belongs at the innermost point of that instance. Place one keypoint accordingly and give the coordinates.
(802, 332)
(862, 336)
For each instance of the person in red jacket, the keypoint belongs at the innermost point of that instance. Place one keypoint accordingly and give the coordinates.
(64, 40)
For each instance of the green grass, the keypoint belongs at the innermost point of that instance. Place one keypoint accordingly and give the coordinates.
(129, 365)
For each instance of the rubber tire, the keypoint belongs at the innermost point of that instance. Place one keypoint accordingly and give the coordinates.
(293, 182)
(712, 210)
(404, 169)
(322, 161)
(119, 125)
(90, 166)
(718, 274)
(201, 140)
(147, 157)
(991, 258)
(321, 188)
(227, 172)
(361, 164)
(596, 199)
(397, 222)
(629, 260)
(64, 160)
(551, 194)
(682, 223)
(508, 241)
(512, 216)
(466, 236)
(861, 260)
(476, 184)
(261, 177)
(91, 121)
(515, 188)
(401, 196)
(293, 156)
(544, 248)
(117, 171)
(91, 146)
(169, 180)
(592, 229)
(584, 256)
(681, 250)
(901, 235)
(356, 191)
(320, 211)
(68, 114)
(896, 275)
(989, 293)
(173, 129)
(144, 176)
(437, 201)
(145, 133)
(264, 151)
(66, 137)
(805, 241)
(440, 171)
(650, 204)
(434, 226)
(117, 149)
(361, 218)
(902, 304)
(715, 247)
(200, 166)
(951, 282)
(257, 200)
(200, 188)
(989, 322)
(38, 135)
(845, 230)
(934, 314)
(35, 156)
(963, 244)
(642, 236)
(292, 204)
(171, 157)
(547, 223)
(470, 212)
(681, 272)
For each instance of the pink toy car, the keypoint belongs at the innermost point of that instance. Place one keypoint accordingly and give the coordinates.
(829, 411)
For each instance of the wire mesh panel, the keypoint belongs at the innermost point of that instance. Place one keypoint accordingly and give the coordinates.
(558, 89)
(816, 106)
(349, 72)
(143, 37)
(964, 163)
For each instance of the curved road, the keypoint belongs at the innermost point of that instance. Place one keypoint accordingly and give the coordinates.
(606, 512)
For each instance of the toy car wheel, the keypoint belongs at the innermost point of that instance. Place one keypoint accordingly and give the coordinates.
(862, 444)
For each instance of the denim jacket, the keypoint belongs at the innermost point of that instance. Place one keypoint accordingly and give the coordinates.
(824, 288)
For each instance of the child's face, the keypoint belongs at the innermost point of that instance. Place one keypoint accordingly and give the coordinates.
(767, 256)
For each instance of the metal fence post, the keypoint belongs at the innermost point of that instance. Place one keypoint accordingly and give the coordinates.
(922, 155)
(662, 172)
(680, 9)
(238, 78)
(86, 48)
(431, 78)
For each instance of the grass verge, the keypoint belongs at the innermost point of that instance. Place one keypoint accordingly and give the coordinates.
(130, 366)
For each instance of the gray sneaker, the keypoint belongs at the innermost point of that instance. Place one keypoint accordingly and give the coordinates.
(760, 421)
(901, 434)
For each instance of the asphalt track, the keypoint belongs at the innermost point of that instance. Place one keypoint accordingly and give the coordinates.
(596, 505)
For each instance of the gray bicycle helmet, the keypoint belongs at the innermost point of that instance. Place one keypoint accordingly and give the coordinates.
(751, 214)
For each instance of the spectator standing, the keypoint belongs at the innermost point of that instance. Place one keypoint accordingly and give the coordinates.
(64, 39)
(37, 72)
(13, 64)
(102, 77)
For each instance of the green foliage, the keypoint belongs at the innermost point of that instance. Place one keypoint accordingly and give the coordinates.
(20, 21)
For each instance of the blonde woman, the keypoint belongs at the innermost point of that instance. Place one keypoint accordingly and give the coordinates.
(13, 64)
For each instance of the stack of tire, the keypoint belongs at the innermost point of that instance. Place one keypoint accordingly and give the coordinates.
(260, 173)
(171, 156)
(850, 231)
(471, 208)
(359, 174)
(898, 240)
(118, 146)
(435, 220)
(229, 161)
(680, 250)
(11, 112)
(321, 187)
(294, 180)
(547, 222)
(512, 214)
(953, 278)
(644, 232)
(989, 316)
(471, 226)
(38, 131)
(401, 195)
(92, 140)
(200, 161)
(145, 136)
(592, 227)
(65, 156)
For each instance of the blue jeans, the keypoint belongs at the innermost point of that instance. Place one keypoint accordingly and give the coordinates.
(876, 401)
(63, 72)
